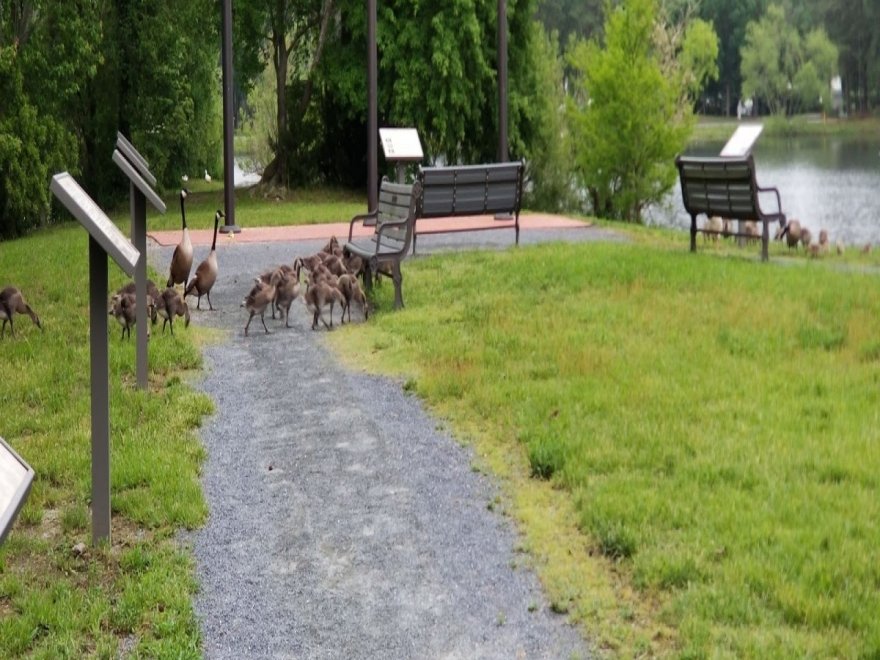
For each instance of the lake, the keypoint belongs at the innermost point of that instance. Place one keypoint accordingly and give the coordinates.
(830, 183)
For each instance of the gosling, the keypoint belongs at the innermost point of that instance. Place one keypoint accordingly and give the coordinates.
(351, 290)
(319, 295)
(12, 302)
(170, 305)
(123, 308)
(259, 298)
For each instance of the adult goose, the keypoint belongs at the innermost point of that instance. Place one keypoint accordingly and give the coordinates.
(12, 302)
(206, 273)
(182, 259)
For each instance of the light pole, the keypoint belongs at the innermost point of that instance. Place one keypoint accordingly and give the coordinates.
(228, 124)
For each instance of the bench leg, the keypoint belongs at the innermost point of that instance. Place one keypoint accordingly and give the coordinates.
(397, 276)
(693, 233)
(368, 277)
(765, 239)
(414, 241)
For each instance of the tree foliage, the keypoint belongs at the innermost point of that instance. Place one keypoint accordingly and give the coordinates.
(631, 111)
(785, 70)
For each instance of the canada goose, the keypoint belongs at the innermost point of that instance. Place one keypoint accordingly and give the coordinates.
(182, 259)
(123, 307)
(170, 304)
(319, 295)
(286, 292)
(184, 178)
(259, 298)
(792, 233)
(12, 302)
(206, 273)
(207, 177)
(351, 290)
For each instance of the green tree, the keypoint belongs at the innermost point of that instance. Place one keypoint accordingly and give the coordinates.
(628, 115)
(786, 71)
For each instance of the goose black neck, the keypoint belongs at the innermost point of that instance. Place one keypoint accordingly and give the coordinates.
(216, 226)
(183, 210)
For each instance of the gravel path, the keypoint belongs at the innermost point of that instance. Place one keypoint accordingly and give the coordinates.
(343, 523)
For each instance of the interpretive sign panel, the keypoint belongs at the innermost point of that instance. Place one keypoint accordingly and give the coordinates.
(401, 144)
(128, 150)
(135, 177)
(96, 222)
(16, 477)
(742, 140)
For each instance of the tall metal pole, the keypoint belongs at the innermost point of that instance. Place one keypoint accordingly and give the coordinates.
(139, 238)
(372, 109)
(228, 124)
(100, 372)
(502, 81)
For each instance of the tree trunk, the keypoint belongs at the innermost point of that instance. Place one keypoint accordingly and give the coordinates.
(276, 172)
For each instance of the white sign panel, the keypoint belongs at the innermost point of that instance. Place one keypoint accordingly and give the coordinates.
(401, 143)
(101, 228)
(740, 143)
(128, 150)
(15, 483)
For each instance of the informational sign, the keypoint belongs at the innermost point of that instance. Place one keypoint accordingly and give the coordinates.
(96, 222)
(401, 144)
(134, 175)
(16, 477)
(128, 150)
(742, 140)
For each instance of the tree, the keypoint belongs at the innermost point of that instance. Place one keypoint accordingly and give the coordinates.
(786, 71)
(627, 116)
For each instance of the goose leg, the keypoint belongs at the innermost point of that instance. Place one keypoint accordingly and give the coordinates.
(210, 306)
(263, 319)
(248, 324)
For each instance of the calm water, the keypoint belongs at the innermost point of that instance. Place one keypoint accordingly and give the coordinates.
(825, 183)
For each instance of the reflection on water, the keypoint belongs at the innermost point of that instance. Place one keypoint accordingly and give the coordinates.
(825, 183)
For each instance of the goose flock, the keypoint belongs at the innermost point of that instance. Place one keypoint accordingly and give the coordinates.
(324, 281)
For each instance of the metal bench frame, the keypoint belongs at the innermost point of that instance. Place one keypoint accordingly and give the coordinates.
(725, 187)
(394, 221)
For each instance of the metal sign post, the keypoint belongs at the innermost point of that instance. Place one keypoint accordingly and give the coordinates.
(134, 166)
(16, 477)
(401, 145)
(104, 239)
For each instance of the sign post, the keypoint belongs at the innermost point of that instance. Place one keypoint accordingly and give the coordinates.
(104, 239)
(135, 167)
(16, 477)
(401, 145)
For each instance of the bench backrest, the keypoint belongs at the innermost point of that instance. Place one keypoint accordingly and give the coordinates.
(471, 189)
(719, 186)
(397, 202)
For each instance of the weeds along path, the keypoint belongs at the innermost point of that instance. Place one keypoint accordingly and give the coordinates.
(343, 523)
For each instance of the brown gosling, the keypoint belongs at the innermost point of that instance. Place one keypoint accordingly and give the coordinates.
(806, 238)
(152, 296)
(351, 290)
(866, 249)
(123, 307)
(171, 304)
(332, 246)
(259, 298)
(319, 295)
(12, 302)
(354, 264)
(288, 290)
(206, 273)
(182, 259)
(335, 265)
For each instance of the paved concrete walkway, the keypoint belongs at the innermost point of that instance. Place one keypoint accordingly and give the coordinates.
(343, 522)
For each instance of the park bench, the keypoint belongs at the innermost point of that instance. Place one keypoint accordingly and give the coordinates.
(394, 221)
(725, 187)
(470, 190)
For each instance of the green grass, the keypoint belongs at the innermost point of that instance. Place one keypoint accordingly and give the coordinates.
(690, 442)
(253, 207)
(719, 129)
(136, 591)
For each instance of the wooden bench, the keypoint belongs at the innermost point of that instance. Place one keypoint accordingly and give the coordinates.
(467, 190)
(394, 221)
(725, 187)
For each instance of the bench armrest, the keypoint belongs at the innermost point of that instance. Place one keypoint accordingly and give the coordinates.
(394, 224)
(775, 191)
(363, 218)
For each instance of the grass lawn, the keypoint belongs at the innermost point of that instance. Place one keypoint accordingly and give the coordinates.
(136, 592)
(690, 443)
